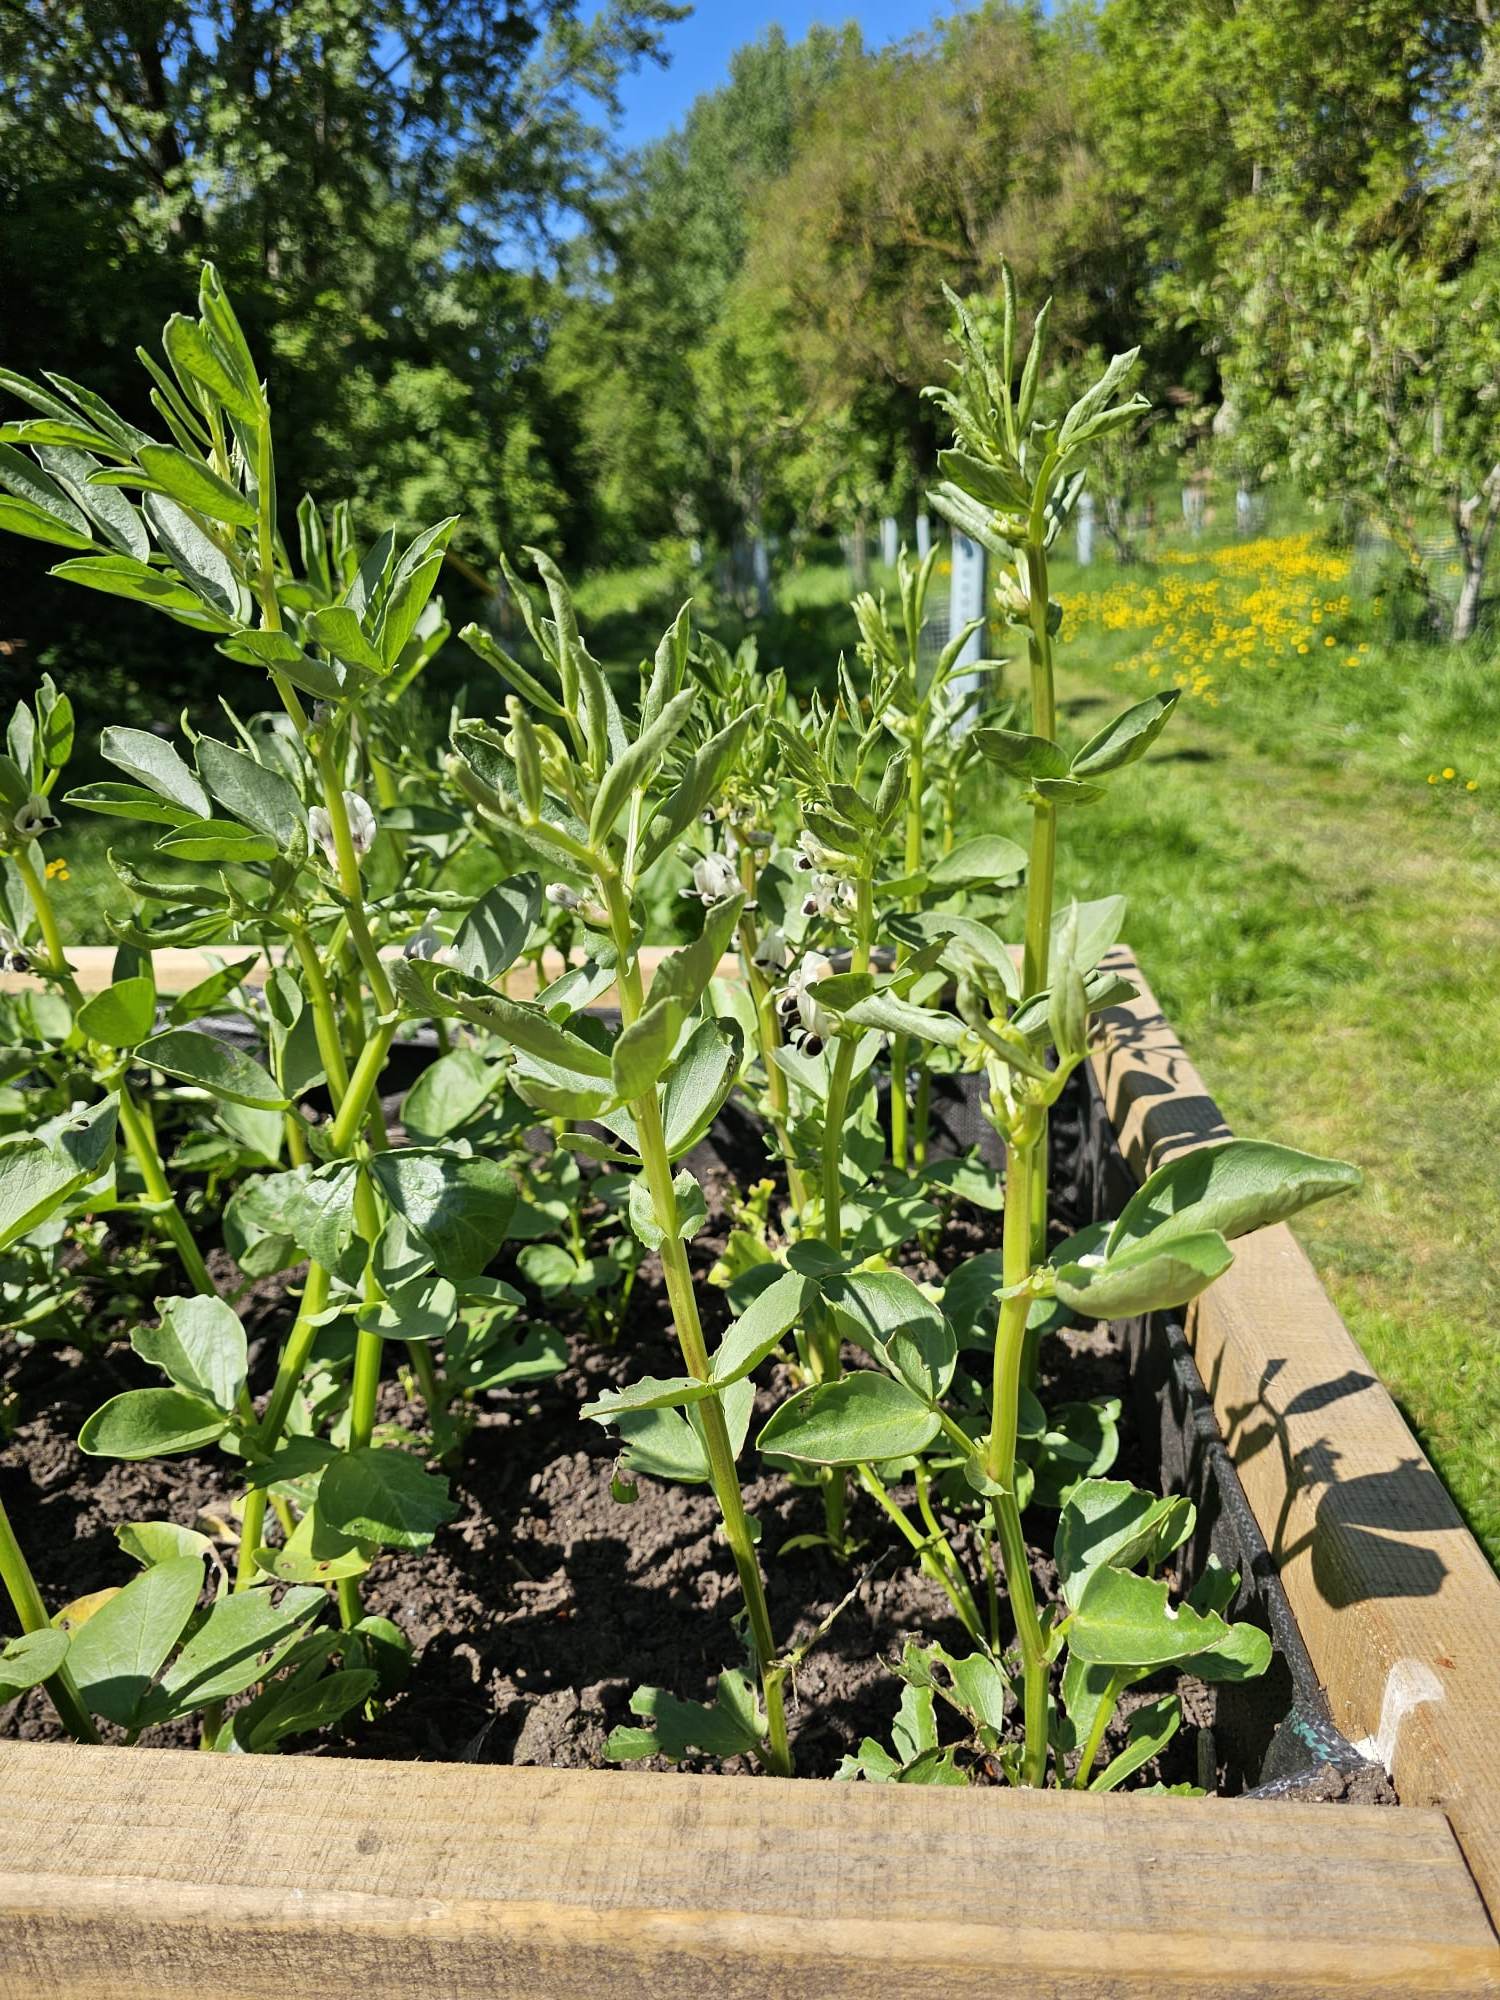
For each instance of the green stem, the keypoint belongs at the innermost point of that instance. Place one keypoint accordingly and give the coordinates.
(723, 1473)
(41, 902)
(768, 1034)
(289, 1369)
(1095, 1736)
(349, 881)
(949, 1580)
(1000, 1452)
(141, 1141)
(1041, 872)
(26, 1599)
(836, 1111)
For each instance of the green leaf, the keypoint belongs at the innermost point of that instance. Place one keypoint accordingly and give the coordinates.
(651, 1392)
(198, 561)
(1125, 1620)
(250, 791)
(1145, 1279)
(412, 584)
(448, 1093)
(1232, 1188)
(894, 1016)
(692, 1210)
(1111, 1521)
(216, 840)
(40, 524)
(1021, 755)
(887, 1315)
(210, 993)
(338, 628)
(640, 763)
(381, 1495)
(495, 932)
(291, 1710)
(861, 1417)
(523, 1026)
(189, 350)
(161, 1541)
(700, 1079)
(194, 1057)
(121, 1015)
(115, 1654)
(27, 483)
(127, 802)
(732, 1726)
(1151, 1728)
(643, 1049)
(1129, 736)
(984, 862)
(199, 1345)
(37, 1174)
(157, 765)
(196, 485)
(459, 1208)
(241, 1641)
(29, 1660)
(701, 776)
(760, 1326)
(127, 576)
(1099, 924)
(151, 1423)
(1066, 791)
(1242, 1655)
(313, 1553)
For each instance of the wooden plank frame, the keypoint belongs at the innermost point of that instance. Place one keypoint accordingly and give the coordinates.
(128, 1875)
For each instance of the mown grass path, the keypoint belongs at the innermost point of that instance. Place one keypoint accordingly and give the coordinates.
(1328, 946)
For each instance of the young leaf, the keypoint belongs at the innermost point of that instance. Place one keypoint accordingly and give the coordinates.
(1235, 1187)
(194, 1057)
(984, 862)
(1147, 1279)
(1125, 1620)
(887, 1315)
(459, 1208)
(643, 758)
(1111, 1521)
(1150, 1729)
(524, 1026)
(1021, 755)
(128, 576)
(121, 1015)
(495, 932)
(377, 1494)
(196, 485)
(1129, 736)
(151, 1423)
(861, 1417)
(289, 1710)
(242, 1639)
(731, 1727)
(692, 1210)
(114, 1655)
(29, 1660)
(200, 1346)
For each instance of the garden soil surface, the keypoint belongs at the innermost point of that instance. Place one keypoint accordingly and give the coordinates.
(546, 1602)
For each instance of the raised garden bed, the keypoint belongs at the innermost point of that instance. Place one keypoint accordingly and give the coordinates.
(463, 1878)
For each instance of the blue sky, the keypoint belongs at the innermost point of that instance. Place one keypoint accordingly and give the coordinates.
(655, 100)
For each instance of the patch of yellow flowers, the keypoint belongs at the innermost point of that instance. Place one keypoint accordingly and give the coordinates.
(1265, 603)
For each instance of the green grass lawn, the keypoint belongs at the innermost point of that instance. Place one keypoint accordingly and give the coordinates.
(1321, 923)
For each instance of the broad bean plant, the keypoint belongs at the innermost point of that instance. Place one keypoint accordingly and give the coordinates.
(849, 956)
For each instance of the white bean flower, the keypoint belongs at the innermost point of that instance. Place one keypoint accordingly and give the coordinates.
(35, 818)
(813, 1024)
(362, 828)
(829, 896)
(561, 897)
(429, 944)
(14, 956)
(773, 954)
(714, 878)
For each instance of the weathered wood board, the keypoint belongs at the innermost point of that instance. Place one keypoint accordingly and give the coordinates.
(130, 1876)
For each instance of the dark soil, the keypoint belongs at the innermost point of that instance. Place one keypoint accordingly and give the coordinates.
(545, 1602)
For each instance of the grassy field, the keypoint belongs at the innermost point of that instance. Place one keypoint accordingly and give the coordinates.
(1312, 858)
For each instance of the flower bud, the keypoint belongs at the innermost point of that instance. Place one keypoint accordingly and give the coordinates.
(561, 897)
